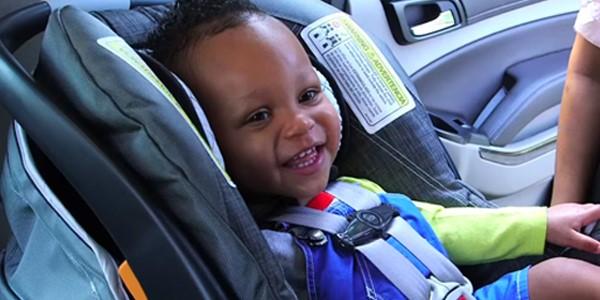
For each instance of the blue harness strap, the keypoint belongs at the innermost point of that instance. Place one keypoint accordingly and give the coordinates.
(377, 255)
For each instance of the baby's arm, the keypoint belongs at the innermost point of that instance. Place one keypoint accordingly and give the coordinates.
(478, 235)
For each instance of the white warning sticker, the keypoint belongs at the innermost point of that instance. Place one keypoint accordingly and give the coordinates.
(372, 88)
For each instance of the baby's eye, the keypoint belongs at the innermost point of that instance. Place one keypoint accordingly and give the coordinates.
(259, 116)
(309, 95)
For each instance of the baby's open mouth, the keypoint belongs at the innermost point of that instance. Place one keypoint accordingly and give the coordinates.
(305, 158)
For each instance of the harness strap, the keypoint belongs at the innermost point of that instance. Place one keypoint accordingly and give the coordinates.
(435, 261)
(354, 196)
(359, 198)
(313, 218)
(402, 273)
(446, 280)
(397, 268)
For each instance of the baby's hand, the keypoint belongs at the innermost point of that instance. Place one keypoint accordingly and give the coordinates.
(565, 222)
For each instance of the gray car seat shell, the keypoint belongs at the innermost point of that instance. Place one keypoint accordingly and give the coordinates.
(47, 238)
(141, 235)
(146, 129)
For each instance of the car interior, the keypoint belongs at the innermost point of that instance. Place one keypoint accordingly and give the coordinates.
(492, 80)
(109, 169)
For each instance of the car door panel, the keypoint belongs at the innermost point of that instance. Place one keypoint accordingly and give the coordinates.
(369, 14)
(477, 10)
(530, 88)
(502, 171)
(493, 87)
(462, 83)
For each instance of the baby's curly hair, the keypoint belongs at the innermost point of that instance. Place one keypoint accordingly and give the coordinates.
(192, 21)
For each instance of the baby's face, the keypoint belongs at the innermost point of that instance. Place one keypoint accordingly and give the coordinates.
(278, 132)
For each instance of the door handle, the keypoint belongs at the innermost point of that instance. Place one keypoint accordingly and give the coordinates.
(414, 20)
(444, 20)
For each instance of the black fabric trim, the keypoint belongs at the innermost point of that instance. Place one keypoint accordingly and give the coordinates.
(174, 86)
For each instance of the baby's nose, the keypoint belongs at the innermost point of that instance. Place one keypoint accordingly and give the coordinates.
(299, 124)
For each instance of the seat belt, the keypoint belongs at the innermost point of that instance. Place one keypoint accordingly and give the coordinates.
(445, 282)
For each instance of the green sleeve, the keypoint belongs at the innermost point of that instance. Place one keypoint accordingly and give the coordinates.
(479, 235)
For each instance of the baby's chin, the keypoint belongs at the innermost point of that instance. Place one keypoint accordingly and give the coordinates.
(304, 196)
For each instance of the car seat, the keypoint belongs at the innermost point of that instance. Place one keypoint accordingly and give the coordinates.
(109, 160)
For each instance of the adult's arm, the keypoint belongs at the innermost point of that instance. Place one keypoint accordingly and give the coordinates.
(578, 145)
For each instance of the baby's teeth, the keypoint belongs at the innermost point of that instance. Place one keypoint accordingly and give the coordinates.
(304, 164)
(308, 157)
(305, 153)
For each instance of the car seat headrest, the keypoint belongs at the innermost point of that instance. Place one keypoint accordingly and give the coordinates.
(136, 119)
(134, 25)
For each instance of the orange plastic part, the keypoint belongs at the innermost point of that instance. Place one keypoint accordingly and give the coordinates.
(131, 282)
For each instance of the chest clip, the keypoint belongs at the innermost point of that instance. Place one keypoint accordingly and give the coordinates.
(366, 226)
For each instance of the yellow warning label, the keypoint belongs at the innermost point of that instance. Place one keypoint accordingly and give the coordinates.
(375, 57)
(368, 82)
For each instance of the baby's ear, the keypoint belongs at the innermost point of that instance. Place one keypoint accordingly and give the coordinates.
(328, 91)
(326, 88)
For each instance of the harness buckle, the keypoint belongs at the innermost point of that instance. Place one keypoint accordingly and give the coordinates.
(450, 290)
(366, 226)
